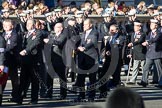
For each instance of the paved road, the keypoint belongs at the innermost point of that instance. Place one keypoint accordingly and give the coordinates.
(152, 97)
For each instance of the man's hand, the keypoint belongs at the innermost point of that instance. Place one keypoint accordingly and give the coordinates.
(23, 53)
(145, 43)
(108, 53)
(136, 40)
(1, 68)
(81, 49)
(46, 40)
(129, 56)
(130, 44)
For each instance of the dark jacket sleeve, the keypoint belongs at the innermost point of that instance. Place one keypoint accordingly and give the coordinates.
(35, 42)
(58, 42)
(93, 41)
(2, 47)
(13, 42)
(140, 40)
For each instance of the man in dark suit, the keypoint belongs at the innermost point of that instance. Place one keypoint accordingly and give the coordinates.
(29, 66)
(112, 44)
(58, 41)
(2, 66)
(11, 54)
(138, 51)
(160, 28)
(87, 58)
(154, 52)
(104, 26)
(72, 42)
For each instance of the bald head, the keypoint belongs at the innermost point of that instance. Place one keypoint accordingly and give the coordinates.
(58, 28)
(30, 24)
(87, 24)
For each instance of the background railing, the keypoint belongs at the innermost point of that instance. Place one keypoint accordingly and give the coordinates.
(140, 17)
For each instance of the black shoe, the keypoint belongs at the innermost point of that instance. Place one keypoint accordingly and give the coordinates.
(46, 96)
(79, 99)
(131, 83)
(153, 82)
(102, 95)
(33, 102)
(90, 99)
(61, 98)
(15, 101)
(158, 86)
(142, 83)
(73, 89)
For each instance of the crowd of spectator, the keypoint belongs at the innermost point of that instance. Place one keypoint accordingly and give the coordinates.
(38, 7)
(79, 36)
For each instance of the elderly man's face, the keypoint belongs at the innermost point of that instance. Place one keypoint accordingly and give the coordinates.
(137, 28)
(113, 30)
(7, 26)
(153, 26)
(87, 25)
(58, 28)
(30, 25)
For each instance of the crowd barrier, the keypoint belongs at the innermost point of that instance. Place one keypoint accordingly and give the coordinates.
(97, 18)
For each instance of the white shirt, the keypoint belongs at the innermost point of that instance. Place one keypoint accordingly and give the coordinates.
(8, 32)
(87, 33)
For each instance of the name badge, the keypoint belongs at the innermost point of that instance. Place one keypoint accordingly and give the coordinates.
(138, 36)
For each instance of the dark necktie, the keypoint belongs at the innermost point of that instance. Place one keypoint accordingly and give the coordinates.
(7, 36)
(152, 34)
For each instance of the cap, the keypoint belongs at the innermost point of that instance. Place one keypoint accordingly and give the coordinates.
(137, 22)
(77, 16)
(5, 10)
(106, 15)
(57, 10)
(79, 12)
(154, 21)
(132, 12)
(151, 6)
(31, 11)
(48, 14)
(26, 12)
(22, 14)
(70, 18)
(156, 14)
(83, 9)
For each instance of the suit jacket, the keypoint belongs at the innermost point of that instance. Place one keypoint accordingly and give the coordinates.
(154, 49)
(89, 57)
(30, 44)
(138, 51)
(2, 50)
(11, 51)
(111, 45)
(58, 44)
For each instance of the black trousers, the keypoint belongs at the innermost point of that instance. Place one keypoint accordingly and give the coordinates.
(80, 82)
(116, 76)
(43, 79)
(29, 72)
(101, 72)
(1, 94)
(59, 68)
(13, 74)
